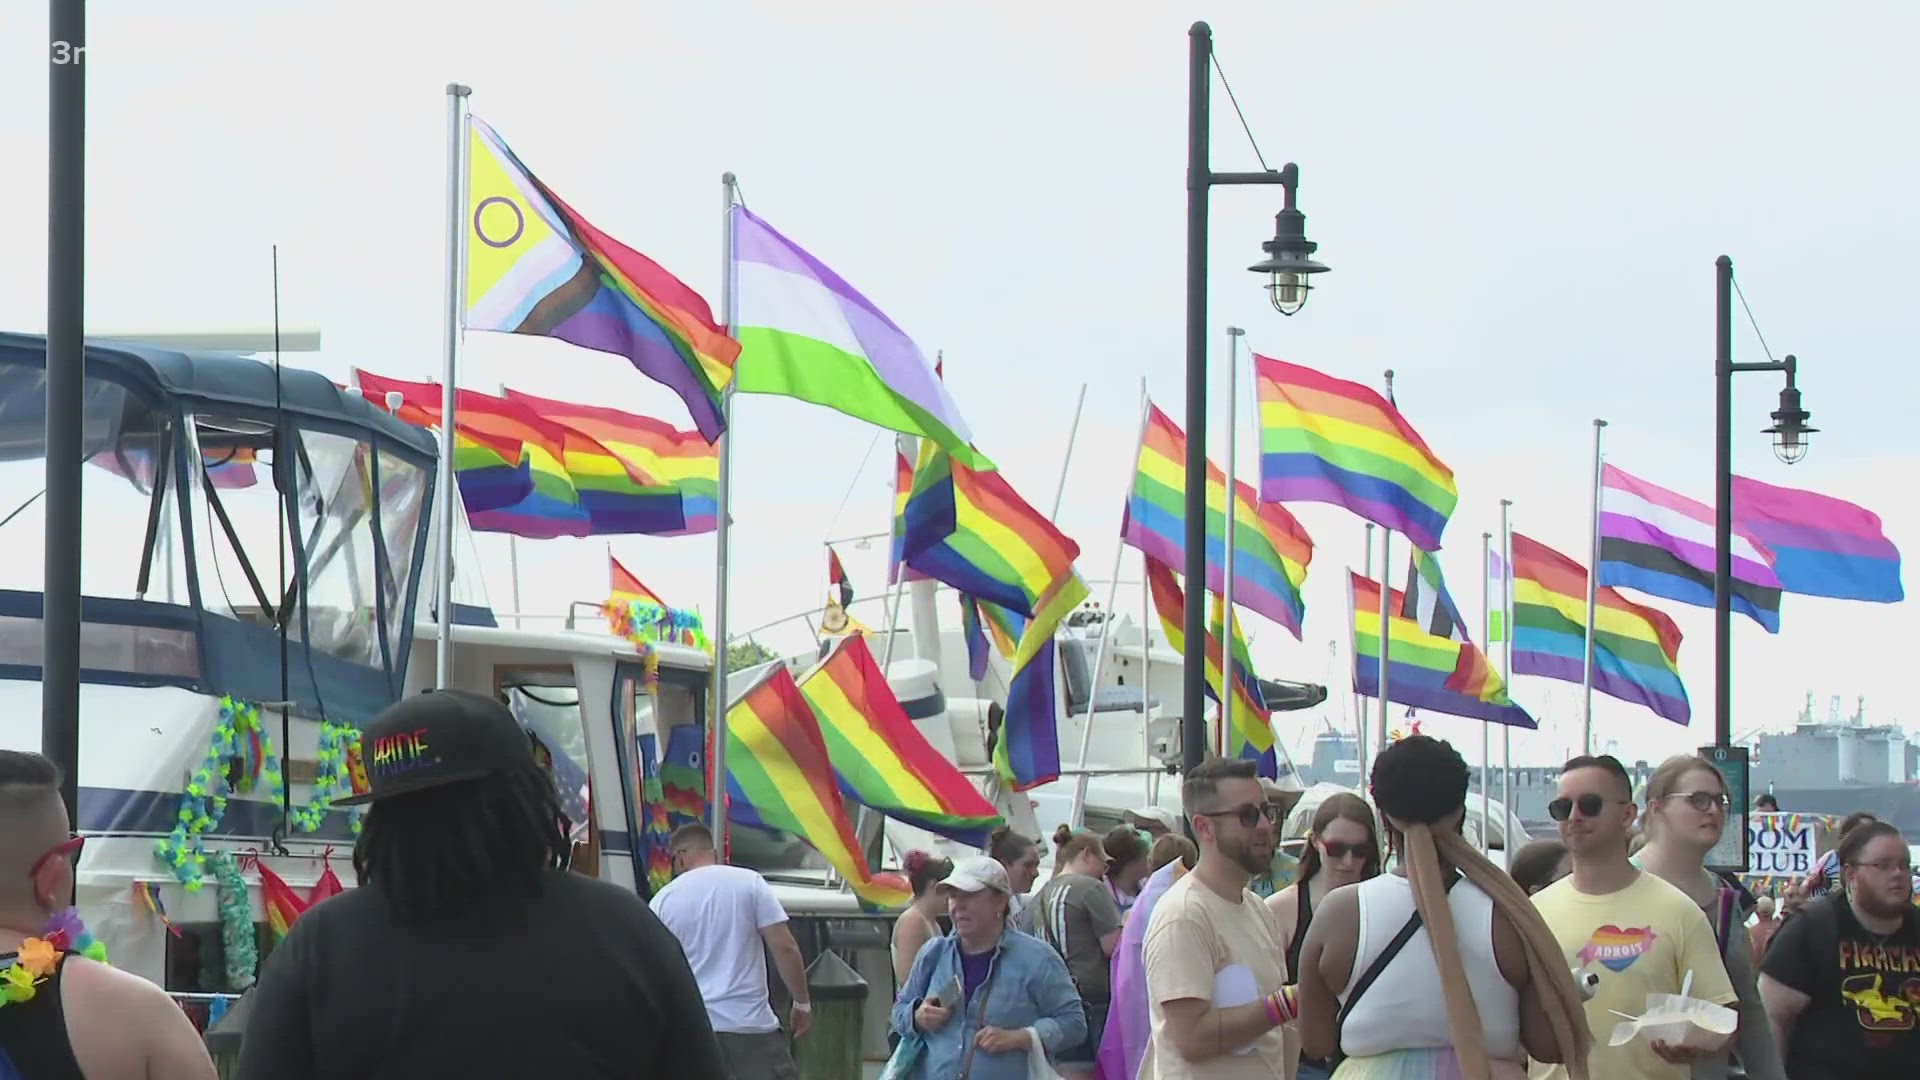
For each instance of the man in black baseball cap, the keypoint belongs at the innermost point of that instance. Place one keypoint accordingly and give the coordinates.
(468, 950)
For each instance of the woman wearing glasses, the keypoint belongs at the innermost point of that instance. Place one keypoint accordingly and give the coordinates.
(1343, 848)
(1686, 813)
(1842, 981)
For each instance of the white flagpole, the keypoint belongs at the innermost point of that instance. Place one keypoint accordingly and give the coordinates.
(513, 568)
(1506, 648)
(456, 308)
(1232, 429)
(723, 526)
(1146, 668)
(1593, 590)
(1066, 463)
(1386, 591)
(1486, 749)
(1359, 700)
(1106, 635)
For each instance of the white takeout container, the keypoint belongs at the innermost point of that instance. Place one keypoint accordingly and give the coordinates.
(1678, 1021)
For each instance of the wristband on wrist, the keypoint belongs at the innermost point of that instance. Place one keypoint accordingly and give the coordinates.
(1281, 1006)
(803, 1006)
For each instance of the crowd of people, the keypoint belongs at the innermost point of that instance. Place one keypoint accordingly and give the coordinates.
(1390, 949)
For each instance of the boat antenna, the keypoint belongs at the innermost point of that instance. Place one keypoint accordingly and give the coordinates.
(281, 493)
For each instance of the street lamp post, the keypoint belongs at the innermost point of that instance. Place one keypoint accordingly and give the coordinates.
(66, 387)
(1789, 433)
(1288, 267)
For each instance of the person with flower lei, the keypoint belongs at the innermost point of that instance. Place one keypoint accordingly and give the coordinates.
(64, 1013)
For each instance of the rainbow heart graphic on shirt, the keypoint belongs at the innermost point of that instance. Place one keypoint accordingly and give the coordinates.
(1616, 949)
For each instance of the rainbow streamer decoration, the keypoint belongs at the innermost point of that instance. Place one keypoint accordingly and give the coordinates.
(779, 776)
(881, 759)
(1821, 546)
(149, 897)
(535, 266)
(1328, 440)
(969, 529)
(653, 453)
(1250, 732)
(1271, 550)
(1636, 649)
(1425, 670)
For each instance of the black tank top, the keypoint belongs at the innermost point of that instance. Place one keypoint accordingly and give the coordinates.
(33, 1034)
(1301, 920)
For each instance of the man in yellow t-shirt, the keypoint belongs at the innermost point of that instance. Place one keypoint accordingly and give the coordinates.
(1634, 933)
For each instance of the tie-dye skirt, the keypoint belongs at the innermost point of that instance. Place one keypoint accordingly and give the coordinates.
(1436, 1064)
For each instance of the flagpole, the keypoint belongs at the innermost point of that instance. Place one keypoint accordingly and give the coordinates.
(513, 570)
(1106, 634)
(1593, 592)
(1146, 667)
(456, 304)
(1506, 648)
(1234, 334)
(1386, 593)
(1359, 699)
(1486, 749)
(1066, 463)
(723, 526)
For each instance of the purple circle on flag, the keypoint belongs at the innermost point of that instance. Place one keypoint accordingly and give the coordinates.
(519, 221)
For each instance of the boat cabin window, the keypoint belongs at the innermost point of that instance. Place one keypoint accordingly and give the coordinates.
(334, 502)
(236, 518)
(549, 709)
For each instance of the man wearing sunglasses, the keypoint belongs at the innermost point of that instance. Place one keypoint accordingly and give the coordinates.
(1214, 969)
(85, 1021)
(1635, 933)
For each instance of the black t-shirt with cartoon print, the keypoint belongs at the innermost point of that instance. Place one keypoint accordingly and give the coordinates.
(1863, 1016)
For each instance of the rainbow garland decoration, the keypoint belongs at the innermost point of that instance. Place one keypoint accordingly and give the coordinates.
(239, 736)
(644, 624)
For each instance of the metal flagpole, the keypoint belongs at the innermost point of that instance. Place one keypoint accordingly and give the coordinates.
(1386, 591)
(723, 527)
(1106, 634)
(1359, 700)
(456, 304)
(1073, 434)
(1506, 648)
(1593, 590)
(513, 568)
(1234, 334)
(1486, 749)
(1146, 668)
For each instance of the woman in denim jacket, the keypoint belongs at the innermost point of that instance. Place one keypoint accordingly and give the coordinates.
(977, 997)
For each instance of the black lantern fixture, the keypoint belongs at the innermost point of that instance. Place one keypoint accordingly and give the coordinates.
(1289, 265)
(1790, 428)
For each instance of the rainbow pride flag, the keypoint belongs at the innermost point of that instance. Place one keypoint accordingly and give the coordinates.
(623, 587)
(969, 529)
(881, 759)
(1328, 440)
(1270, 549)
(779, 776)
(655, 454)
(1425, 670)
(898, 571)
(229, 469)
(980, 620)
(535, 266)
(1636, 649)
(491, 472)
(1250, 734)
(1821, 546)
(282, 905)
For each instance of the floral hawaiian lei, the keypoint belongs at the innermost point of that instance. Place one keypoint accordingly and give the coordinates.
(39, 956)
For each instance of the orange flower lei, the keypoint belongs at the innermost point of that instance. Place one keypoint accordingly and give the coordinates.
(37, 957)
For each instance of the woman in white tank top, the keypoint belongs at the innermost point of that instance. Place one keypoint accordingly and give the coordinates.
(1472, 989)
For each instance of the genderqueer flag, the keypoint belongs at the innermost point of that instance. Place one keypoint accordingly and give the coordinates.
(805, 333)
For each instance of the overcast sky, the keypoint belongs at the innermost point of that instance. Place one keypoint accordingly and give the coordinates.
(1521, 203)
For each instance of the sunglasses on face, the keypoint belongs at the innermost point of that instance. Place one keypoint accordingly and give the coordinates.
(1249, 815)
(1337, 850)
(68, 849)
(1589, 805)
(1704, 801)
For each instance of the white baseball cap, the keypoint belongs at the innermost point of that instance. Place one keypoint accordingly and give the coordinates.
(977, 873)
(1157, 815)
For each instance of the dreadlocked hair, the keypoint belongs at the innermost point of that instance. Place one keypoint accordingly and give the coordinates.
(1420, 782)
(451, 854)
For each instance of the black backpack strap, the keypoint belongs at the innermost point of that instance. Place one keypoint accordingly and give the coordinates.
(1379, 965)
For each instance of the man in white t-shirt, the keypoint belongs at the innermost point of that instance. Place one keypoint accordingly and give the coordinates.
(726, 918)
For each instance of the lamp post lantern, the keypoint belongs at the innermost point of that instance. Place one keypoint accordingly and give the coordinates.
(1789, 433)
(1288, 268)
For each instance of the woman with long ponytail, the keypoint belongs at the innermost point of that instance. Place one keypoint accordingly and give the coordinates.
(1476, 987)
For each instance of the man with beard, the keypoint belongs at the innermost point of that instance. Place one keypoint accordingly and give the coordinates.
(1841, 982)
(1634, 933)
(1215, 974)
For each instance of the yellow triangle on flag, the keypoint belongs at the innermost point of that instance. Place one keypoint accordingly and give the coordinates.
(517, 248)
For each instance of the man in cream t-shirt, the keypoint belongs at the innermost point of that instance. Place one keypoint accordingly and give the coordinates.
(1214, 966)
(1635, 933)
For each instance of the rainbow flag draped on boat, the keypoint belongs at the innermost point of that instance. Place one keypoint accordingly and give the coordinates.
(881, 759)
(1271, 549)
(654, 454)
(535, 266)
(1250, 732)
(969, 529)
(779, 776)
(1328, 440)
(1636, 649)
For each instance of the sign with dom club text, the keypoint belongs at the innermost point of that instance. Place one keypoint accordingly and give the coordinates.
(1783, 845)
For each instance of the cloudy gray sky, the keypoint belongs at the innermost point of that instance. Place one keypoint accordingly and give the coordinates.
(1522, 204)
